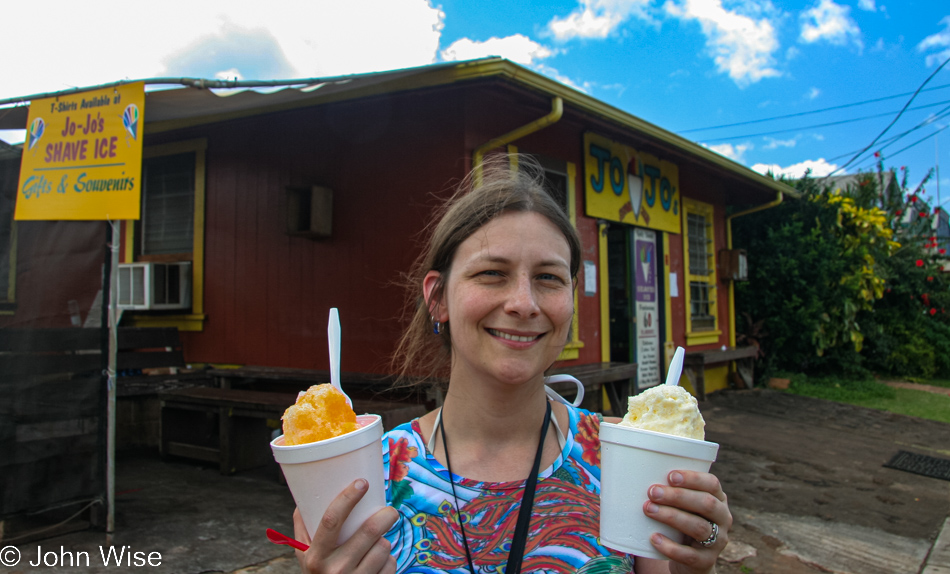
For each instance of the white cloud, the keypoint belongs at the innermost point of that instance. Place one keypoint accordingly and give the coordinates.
(867, 5)
(733, 152)
(830, 22)
(939, 41)
(554, 74)
(741, 45)
(813, 93)
(517, 48)
(303, 38)
(774, 143)
(597, 18)
(818, 167)
(232, 74)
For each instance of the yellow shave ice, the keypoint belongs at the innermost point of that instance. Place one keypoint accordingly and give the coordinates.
(666, 409)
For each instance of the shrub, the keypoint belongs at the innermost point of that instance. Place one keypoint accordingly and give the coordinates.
(847, 282)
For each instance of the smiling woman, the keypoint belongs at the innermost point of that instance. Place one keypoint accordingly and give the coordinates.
(502, 477)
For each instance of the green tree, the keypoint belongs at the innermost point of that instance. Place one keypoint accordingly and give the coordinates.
(847, 279)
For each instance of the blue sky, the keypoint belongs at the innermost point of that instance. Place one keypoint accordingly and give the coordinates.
(688, 66)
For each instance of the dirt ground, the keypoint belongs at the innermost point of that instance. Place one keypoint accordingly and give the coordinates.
(803, 457)
(805, 480)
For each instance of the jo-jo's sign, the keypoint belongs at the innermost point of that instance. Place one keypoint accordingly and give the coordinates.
(82, 159)
(622, 184)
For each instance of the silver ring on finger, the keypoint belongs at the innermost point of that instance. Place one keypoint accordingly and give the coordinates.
(713, 536)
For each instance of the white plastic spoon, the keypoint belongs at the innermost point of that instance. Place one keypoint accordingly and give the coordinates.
(676, 367)
(334, 336)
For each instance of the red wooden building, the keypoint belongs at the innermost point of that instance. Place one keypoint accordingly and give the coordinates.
(273, 207)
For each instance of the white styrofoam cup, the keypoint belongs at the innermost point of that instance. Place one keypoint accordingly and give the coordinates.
(317, 472)
(632, 460)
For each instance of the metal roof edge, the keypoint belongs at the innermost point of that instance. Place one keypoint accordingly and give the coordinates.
(445, 73)
(594, 106)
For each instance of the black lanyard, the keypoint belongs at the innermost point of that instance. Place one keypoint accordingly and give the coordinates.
(520, 539)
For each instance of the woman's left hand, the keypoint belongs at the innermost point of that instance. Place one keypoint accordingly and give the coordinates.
(691, 503)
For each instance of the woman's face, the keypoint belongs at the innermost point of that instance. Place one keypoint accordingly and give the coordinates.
(509, 299)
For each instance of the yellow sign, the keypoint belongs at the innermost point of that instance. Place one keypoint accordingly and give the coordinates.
(622, 184)
(82, 159)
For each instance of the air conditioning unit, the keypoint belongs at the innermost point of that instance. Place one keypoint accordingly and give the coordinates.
(155, 286)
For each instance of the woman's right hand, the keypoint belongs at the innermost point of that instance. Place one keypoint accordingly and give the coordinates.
(366, 552)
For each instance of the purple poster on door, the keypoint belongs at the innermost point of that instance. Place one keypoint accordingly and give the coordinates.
(647, 308)
(645, 263)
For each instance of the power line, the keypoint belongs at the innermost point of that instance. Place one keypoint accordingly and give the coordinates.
(813, 126)
(940, 115)
(890, 141)
(799, 114)
(897, 117)
(923, 139)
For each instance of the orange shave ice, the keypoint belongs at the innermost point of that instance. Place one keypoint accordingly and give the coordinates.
(318, 414)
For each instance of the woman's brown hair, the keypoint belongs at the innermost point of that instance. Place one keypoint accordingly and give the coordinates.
(420, 353)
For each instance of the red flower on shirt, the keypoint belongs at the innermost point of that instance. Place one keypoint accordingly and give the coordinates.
(588, 435)
(399, 454)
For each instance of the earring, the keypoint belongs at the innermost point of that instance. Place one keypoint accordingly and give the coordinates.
(436, 326)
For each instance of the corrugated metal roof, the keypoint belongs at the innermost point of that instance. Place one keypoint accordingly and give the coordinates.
(167, 109)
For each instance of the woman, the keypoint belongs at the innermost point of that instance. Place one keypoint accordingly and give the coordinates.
(501, 478)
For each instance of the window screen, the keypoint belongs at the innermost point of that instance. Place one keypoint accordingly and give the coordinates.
(168, 205)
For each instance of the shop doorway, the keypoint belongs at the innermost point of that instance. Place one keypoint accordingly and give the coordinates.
(635, 299)
(619, 295)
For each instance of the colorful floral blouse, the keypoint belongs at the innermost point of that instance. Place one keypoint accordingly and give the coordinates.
(563, 536)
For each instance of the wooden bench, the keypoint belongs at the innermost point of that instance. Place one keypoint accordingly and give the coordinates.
(150, 361)
(232, 427)
(695, 362)
(288, 379)
(615, 378)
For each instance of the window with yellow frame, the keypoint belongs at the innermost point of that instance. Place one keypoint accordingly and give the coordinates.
(699, 254)
(171, 227)
(559, 181)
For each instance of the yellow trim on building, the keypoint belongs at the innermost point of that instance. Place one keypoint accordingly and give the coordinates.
(193, 321)
(572, 349)
(667, 300)
(706, 336)
(604, 289)
(129, 252)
